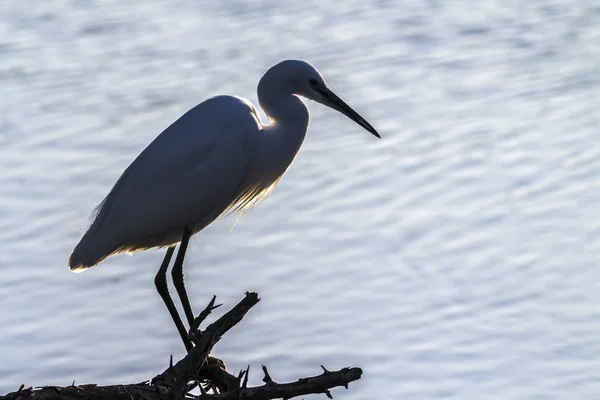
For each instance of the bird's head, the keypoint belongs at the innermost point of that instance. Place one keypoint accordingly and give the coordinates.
(304, 80)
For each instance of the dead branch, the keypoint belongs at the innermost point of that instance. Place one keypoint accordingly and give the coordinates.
(199, 369)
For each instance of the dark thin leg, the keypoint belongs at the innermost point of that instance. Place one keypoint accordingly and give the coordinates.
(160, 280)
(177, 274)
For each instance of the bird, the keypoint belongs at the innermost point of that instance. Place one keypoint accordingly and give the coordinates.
(216, 159)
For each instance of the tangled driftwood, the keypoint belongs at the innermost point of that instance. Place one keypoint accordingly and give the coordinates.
(199, 370)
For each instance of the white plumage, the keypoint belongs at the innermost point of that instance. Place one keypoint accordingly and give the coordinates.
(190, 174)
(216, 158)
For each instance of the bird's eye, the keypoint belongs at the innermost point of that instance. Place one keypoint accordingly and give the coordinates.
(313, 82)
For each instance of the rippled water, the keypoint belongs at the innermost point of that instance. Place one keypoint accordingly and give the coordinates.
(454, 258)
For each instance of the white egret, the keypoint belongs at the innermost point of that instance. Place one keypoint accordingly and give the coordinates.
(216, 158)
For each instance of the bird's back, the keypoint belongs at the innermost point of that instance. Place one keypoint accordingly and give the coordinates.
(190, 174)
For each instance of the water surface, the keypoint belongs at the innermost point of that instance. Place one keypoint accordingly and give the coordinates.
(454, 258)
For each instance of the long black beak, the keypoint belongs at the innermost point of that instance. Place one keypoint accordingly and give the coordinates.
(331, 100)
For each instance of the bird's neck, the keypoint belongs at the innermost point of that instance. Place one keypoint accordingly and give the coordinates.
(282, 139)
(284, 109)
(279, 103)
(288, 116)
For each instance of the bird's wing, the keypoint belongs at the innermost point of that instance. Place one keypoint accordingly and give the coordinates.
(186, 177)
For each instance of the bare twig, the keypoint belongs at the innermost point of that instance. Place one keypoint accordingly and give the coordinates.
(303, 386)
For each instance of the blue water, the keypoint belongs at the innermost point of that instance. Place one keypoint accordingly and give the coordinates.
(456, 258)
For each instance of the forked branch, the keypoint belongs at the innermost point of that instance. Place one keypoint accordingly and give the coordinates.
(199, 370)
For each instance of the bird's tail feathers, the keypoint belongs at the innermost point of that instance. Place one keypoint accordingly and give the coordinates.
(88, 253)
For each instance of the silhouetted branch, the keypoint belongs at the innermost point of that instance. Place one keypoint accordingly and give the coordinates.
(198, 369)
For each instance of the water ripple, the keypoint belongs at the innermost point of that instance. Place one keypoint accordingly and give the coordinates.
(454, 258)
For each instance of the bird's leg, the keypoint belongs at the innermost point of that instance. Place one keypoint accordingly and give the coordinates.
(177, 274)
(160, 280)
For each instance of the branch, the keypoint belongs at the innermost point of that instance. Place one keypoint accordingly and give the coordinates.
(178, 376)
(303, 386)
(199, 369)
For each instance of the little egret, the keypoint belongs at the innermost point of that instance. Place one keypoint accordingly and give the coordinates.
(215, 159)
